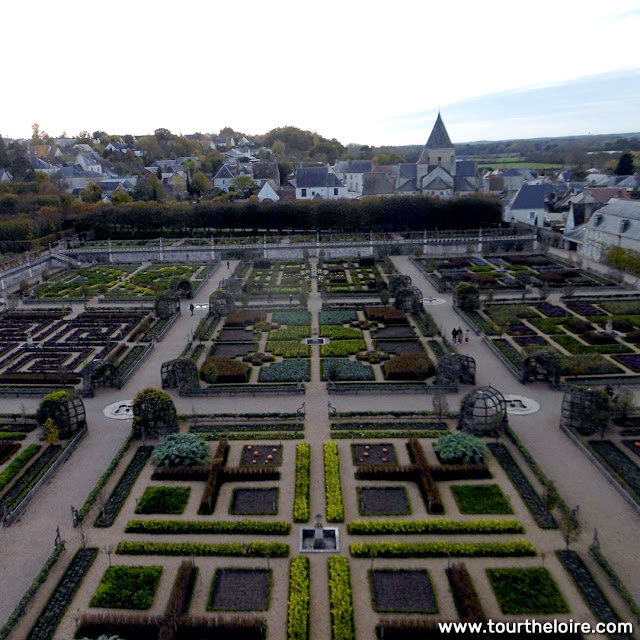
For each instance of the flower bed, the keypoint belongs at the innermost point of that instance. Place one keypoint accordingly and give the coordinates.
(127, 588)
(341, 599)
(386, 315)
(296, 332)
(122, 490)
(292, 317)
(337, 332)
(345, 370)
(480, 499)
(299, 603)
(630, 361)
(301, 505)
(585, 309)
(342, 348)
(437, 526)
(289, 349)
(552, 310)
(520, 330)
(240, 589)
(333, 487)
(171, 500)
(621, 465)
(525, 341)
(244, 318)
(408, 367)
(629, 307)
(540, 513)
(402, 591)
(590, 590)
(291, 370)
(337, 317)
(59, 601)
(16, 465)
(510, 353)
(205, 549)
(529, 590)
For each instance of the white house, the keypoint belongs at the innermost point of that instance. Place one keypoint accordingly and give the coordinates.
(318, 182)
(531, 204)
(89, 162)
(269, 192)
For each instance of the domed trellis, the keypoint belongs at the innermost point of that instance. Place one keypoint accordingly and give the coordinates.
(409, 300)
(455, 367)
(181, 373)
(100, 373)
(183, 288)
(398, 281)
(232, 286)
(221, 303)
(67, 412)
(166, 304)
(586, 410)
(483, 412)
(541, 365)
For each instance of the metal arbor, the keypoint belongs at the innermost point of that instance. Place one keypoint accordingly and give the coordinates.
(454, 368)
(483, 412)
(541, 365)
(233, 286)
(181, 373)
(166, 304)
(221, 303)
(67, 412)
(408, 300)
(100, 373)
(182, 288)
(585, 410)
(398, 281)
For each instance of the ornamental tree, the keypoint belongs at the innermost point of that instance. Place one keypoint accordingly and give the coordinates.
(154, 413)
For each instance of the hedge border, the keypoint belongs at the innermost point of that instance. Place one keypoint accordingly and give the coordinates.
(341, 599)
(332, 485)
(299, 602)
(301, 499)
(438, 526)
(511, 549)
(204, 549)
(208, 527)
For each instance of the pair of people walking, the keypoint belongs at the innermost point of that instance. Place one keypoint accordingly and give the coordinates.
(457, 335)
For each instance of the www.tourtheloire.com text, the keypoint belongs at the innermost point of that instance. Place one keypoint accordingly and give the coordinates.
(534, 626)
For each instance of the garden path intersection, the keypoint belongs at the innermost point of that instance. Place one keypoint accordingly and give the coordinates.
(29, 541)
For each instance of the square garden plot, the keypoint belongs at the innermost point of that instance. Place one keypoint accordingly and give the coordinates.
(402, 591)
(163, 500)
(480, 498)
(526, 591)
(399, 346)
(240, 590)
(254, 502)
(124, 587)
(374, 454)
(233, 349)
(395, 332)
(383, 501)
(236, 335)
(261, 454)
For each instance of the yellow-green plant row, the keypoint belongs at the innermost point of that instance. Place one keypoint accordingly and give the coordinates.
(340, 599)
(332, 486)
(436, 526)
(303, 469)
(298, 610)
(514, 548)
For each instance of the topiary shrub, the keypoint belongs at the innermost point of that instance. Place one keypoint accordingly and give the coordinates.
(460, 448)
(154, 413)
(181, 450)
(209, 371)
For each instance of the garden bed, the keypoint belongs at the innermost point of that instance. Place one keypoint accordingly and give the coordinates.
(402, 591)
(383, 501)
(254, 502)
(384, 454)
(261, 454)
(240, 589)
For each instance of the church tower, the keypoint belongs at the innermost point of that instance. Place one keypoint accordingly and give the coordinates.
(439, 151)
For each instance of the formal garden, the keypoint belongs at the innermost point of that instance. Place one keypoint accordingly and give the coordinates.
(507, 272)
(192, 536)
(53, 348)
(122, 282)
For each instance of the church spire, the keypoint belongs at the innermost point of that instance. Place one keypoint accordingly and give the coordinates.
(439, 138)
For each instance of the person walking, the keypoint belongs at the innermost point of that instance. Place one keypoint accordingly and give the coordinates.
(454, 335)
(191, 308)
(460, 334)
(228, 265)
(466, 335)
(290, 299)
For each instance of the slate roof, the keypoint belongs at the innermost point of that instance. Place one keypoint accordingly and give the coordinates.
(308, 177)
(340, 166)
(266, 171)
(533, 196)
(439, 138)
(224, 172)
(466, 168)
(462, 183)
(359, 166)
(407, 171)
(376, 184)
(613, 214)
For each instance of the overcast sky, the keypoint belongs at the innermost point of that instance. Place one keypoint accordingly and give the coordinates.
(359, 71)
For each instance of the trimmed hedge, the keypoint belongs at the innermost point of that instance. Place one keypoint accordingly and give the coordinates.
(171, 500)
(208, 527)
(514, 548)
(480, 498)
(437, 526)
(465, 596)
(341, 599)
(333, 487)
(206, 549)
(299, 604)
(540, 513)
(301, 504)
(59, 601)
(122, 490)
